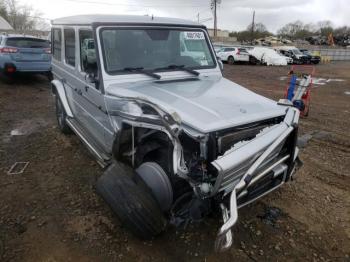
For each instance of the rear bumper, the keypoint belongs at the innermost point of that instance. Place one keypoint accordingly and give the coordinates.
(241, 58)
(28, 66)
(253, 170)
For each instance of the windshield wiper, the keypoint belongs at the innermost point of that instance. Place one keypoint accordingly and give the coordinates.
(141, 70)
(179, 67)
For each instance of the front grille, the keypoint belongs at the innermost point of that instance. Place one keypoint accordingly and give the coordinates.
(227, 138)
(232, 177)
(235, 162)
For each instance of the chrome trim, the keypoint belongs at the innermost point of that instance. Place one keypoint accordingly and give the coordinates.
(262, 174)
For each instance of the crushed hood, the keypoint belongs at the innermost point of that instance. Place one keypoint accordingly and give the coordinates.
(205, 104)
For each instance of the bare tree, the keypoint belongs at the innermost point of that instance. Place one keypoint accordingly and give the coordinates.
(325, 27)
(21, 17)
(3, 10)
(297, 30)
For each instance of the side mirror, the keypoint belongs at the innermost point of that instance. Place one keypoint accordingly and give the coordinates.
(221, 64)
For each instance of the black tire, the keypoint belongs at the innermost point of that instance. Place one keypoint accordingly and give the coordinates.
(61, 117)
(49, 76)
(7, 78)
(132, 201)
(230, 60)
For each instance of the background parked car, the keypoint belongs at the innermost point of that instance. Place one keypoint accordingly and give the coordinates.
(267, 56)
(24, 54)
(88, 51)
(233, 54)
(314, 59)
(294, 53)
(289, 59)
(217, 47)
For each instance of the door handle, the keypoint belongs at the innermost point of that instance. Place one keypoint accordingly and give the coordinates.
(86, 88)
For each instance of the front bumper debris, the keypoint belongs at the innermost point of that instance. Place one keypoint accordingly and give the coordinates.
(266, 165)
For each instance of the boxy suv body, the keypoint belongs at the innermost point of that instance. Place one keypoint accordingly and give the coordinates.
(177, 140)
(24, 54)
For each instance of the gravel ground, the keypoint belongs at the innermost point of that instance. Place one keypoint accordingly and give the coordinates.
(51, 212)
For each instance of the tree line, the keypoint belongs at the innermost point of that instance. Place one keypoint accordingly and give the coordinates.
(293, 30)
(22, 17)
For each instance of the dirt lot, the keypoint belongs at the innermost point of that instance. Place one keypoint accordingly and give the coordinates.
(52, 213)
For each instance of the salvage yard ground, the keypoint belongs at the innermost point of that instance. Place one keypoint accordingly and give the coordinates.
(51, 212)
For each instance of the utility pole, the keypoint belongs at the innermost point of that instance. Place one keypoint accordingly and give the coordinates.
(198, 17)
(253, 25)
(215, 19)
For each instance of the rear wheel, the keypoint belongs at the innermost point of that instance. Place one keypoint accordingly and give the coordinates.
(231, 60)
(61, 117)
(132, 201)
(7, 78)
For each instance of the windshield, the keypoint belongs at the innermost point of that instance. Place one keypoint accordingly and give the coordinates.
(152, 49)
(296, 52)
(26, 42)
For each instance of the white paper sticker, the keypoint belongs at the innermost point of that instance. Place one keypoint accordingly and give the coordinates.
(204, 62)
(194, 35)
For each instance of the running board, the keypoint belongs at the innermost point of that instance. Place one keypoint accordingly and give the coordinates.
(102, 158)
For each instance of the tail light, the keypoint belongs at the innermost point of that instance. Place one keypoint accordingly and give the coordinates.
(47, 50)
(10, 69)
(238, 52)
(8, 50)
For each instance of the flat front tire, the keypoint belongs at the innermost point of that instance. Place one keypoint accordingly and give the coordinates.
(132, 201)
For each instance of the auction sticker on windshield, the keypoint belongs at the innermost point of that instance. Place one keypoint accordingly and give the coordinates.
(194, 35)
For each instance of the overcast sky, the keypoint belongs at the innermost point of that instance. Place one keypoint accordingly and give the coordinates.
(232, 14)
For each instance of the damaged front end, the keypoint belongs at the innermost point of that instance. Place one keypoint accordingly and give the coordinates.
(252, 169)
(229, 169)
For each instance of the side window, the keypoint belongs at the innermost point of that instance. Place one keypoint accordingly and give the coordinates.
(87, 52)
(69, 46)
(57, 43)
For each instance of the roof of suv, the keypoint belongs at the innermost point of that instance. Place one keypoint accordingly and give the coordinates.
(121, 19)
(21, 36)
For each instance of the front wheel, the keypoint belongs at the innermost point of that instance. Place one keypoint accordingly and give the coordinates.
(132, 201)
(61, 117)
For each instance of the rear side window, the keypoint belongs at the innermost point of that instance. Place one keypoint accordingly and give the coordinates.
(229, 49)
(57, 43)
(69, 46)
(242, 50)
(26, 42)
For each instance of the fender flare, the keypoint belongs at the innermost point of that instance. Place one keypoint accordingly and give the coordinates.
(58, 89)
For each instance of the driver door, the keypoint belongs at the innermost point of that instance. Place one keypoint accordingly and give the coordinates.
(93, 114)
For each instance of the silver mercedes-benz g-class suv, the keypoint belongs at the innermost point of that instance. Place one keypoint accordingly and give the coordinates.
(177, 140)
